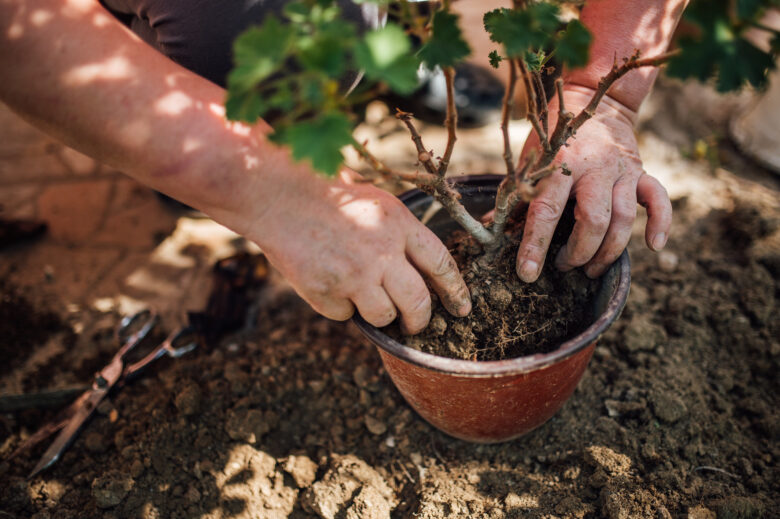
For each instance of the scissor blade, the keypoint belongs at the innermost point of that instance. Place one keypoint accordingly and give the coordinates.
(68, 434)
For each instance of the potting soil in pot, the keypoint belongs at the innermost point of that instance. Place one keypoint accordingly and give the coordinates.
(510, 318)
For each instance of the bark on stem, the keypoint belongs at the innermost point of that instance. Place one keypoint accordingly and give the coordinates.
(532, 115)
(451, 121)
(423, 155)
(508, 185)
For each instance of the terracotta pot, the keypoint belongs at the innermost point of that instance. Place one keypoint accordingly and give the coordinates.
(493, 401)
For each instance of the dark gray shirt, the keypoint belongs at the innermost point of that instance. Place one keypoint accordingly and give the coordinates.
(199, 34)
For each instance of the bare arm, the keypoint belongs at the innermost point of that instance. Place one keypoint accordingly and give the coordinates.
(608, 178)
(74, 71)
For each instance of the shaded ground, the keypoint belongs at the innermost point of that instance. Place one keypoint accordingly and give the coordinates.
(675, 417)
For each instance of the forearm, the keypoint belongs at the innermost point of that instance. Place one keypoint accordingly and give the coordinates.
(619, 28)
(74, 71)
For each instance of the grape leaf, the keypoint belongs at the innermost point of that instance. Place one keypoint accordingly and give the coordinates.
(258, 51)
(522, 30)
(318, 140)
(244, 105)
(446, 47)
(325, 50)
(384, 55)
(574, 45)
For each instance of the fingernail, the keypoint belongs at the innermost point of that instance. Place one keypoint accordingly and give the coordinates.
(528, 271)
(659, 240)
(465, 308)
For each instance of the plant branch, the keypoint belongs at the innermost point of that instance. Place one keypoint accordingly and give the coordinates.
(563, 132)
(423, 155)
(451, 122)
(509, 184)
(543, 113)
(417, 178)
(532, 115)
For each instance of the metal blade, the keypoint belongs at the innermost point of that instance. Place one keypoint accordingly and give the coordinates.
(69, 433)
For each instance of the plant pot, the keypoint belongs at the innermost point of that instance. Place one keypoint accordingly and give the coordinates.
(493, 401)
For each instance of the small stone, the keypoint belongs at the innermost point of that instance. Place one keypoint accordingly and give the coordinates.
(375, 426)
(137, 468)
(110, 489)
(667, 261)
(438, 324)
(667, 406)
(610, 461)
(500, 296)
(369, 504)
(302, 469)
(95, 442)
(187, 401)
(361, 375)
(193, 494)
(700, 512)
(617, 408)
(246, 425)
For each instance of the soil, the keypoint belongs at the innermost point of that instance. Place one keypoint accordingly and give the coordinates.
(509, 318)
(676, 416)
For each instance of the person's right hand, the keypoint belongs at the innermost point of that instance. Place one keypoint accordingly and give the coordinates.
(345, 245)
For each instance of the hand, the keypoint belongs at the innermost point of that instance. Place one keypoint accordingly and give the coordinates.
(343, 244)
(607, 181)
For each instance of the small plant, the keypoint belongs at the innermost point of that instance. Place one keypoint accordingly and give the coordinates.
(291, 68)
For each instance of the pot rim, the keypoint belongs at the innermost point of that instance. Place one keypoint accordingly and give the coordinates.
(517, 365)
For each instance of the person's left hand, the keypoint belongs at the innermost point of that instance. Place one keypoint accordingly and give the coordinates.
(607, 181)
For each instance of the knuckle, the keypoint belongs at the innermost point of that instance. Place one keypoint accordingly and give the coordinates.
(445, 266)
(420, 303)
(545, 210)
(623, 213)
(595, 217)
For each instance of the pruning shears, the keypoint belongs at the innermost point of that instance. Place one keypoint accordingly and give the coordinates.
(130, 333)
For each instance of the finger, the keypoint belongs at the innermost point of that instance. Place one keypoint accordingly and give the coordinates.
(434, 261)
(409, 292)
(375, 306)
(592, 215)
(338, 309)
(654, 198)
(619, 231)
(544, 211)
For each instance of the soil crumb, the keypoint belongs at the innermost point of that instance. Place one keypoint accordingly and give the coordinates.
(510, 318)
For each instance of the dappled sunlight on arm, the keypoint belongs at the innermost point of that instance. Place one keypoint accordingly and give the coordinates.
(115, 67)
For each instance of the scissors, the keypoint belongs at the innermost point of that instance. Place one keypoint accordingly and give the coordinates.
(130, 332)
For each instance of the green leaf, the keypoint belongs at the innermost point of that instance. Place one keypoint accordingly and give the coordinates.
(535, 60)
(318, 140)
(522, 30)
(245, 106)
(258, 52)
(384, 55)
(748, 9)
(495, 59)
(574, 45)
(446, 47)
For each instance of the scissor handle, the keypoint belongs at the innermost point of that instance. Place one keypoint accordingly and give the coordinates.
(178, 343)
(146, 319)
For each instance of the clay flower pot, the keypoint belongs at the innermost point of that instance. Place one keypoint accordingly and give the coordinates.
(493, 401)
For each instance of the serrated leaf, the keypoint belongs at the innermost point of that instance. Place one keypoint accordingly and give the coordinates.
(535, 60)
(495, 59)
(258, 52)
(318, 140)
(522, 30)
(247, 106)
(446, 46)
(384, 55)
(573, 49)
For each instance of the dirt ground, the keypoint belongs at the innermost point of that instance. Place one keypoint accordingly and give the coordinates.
(676, 415)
